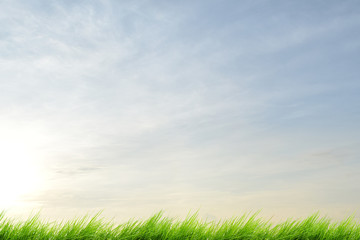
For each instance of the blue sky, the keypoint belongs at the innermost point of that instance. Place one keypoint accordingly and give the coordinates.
(222, 106)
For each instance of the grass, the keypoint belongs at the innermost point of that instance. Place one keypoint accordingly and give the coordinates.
(246, 227)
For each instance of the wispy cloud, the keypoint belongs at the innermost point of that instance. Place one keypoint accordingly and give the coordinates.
(244, 100)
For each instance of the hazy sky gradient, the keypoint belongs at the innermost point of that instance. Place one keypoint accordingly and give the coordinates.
(222, 106)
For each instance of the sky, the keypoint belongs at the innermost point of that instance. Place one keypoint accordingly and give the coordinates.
(225, 107)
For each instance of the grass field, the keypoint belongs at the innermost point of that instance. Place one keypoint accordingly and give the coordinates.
(159, 227)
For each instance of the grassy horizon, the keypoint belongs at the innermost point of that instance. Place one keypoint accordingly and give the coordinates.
(159, 227)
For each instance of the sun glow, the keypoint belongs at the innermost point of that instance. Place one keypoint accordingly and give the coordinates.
(19, 173)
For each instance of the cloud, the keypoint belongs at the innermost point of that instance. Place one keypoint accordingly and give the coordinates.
(182, 99)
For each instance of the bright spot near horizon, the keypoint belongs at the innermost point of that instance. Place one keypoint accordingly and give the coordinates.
(19, 173)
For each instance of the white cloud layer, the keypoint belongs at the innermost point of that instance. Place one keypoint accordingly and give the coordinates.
(163, 101)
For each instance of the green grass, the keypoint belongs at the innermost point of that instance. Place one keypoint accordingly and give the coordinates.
(159, 227)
